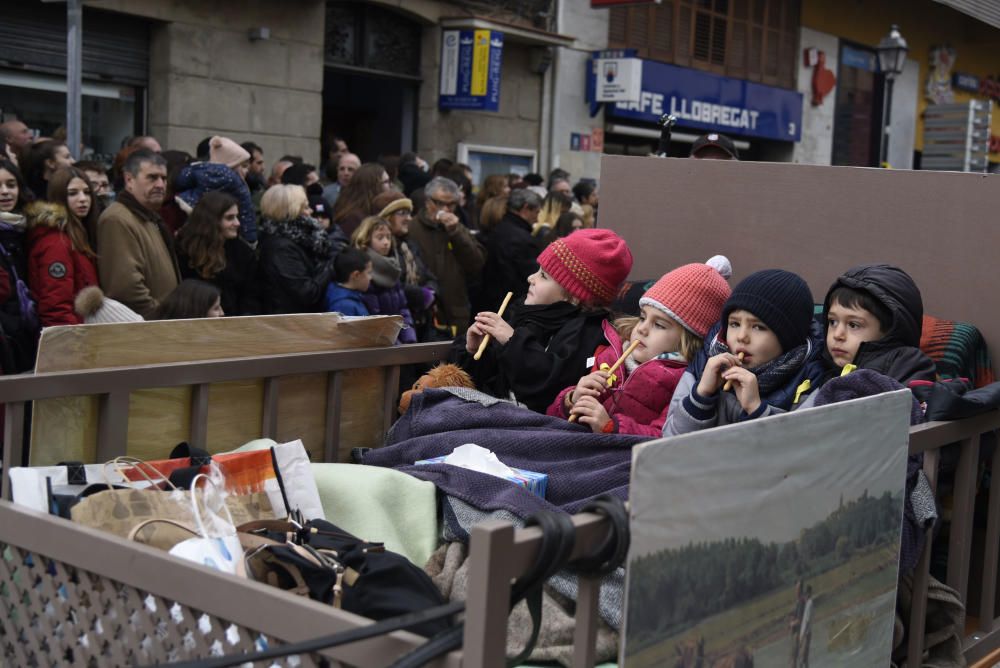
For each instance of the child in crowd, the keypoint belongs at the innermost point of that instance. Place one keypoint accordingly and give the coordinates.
(352, 272)
(385, 295)
(191, 299)
(675, 315)
(767, 344)
(548, 339)
(873, 315)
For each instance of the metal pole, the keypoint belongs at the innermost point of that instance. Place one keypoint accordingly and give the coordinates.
(74, 66)
(886, 122)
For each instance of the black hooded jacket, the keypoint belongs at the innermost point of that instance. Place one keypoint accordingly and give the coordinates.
(897, 354)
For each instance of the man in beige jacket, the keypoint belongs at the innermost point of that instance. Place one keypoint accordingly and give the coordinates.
(137, 263)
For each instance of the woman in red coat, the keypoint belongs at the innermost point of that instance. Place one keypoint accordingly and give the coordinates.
(60, 259)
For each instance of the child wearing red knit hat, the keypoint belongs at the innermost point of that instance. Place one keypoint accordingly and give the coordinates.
(675, 315)
(543, 344)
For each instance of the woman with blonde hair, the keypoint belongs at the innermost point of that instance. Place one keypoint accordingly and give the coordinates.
(296, 257)
(493, 210)
(554, 205)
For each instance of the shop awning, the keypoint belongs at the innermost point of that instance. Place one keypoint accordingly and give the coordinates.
(987, 11)
(511, 31)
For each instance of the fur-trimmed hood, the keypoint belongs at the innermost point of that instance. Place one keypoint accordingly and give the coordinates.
(46, 215)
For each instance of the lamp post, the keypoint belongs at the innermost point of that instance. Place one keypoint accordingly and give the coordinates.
(891, 60)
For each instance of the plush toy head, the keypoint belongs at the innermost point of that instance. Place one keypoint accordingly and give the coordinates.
(443, 375)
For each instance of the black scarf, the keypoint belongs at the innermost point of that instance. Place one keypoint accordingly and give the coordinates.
(544, 320)
(304, 231)
(776, 373)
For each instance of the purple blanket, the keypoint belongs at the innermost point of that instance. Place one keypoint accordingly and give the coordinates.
(579, 463)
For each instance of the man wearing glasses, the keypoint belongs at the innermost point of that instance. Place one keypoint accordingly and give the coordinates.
(451, 254)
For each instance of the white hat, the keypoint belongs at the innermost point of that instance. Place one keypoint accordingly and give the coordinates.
(91, 305)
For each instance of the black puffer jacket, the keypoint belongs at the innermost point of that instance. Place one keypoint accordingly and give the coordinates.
(238, 282)
(549, 350)
(897, 354)
(294, 276)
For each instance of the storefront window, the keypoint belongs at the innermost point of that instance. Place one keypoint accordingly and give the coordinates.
(109, 112)
(372, 38)
(756, 40)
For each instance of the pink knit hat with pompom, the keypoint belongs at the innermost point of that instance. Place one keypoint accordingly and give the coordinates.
(693, 295)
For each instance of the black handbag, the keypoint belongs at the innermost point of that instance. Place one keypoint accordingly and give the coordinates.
(330, 565)
(557, 545)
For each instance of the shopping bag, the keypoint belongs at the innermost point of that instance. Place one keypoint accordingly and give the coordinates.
(282, 472)
(34, 486)
(118, 511)
(211, 542)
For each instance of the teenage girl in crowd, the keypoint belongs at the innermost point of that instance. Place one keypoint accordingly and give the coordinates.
(18, 319)
(767, 344)
(209, 248)
(546, 343)
(61, 261)
(675, 315)
(385, 295)
(191, 299)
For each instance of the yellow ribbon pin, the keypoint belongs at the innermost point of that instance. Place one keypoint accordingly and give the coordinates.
(612, 378)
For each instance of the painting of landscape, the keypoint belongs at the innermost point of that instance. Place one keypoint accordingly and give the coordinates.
(752, 550)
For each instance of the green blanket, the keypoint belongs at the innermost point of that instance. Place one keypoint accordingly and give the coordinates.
(377, 504)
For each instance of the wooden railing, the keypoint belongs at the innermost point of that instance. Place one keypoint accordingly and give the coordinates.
(930, 439)
(500, 552)
(113, 387)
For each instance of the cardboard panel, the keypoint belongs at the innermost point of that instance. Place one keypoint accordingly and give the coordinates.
(816, 221)
(66, 429)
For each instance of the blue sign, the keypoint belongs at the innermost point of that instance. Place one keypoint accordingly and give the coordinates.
(470, 69)
(712, 102)
(858, 59)
(967, 82)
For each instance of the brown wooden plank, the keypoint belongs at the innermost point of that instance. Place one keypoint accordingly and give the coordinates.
(334, 403)
(13, 441)
(161, 418)
(199, 416)
(963, 508)
(991, 555)
(921, 574)
(112, 426)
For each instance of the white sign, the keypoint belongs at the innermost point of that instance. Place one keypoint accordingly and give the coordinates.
(618, 79)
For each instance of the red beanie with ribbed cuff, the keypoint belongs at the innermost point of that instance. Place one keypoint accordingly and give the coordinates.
(590, 264)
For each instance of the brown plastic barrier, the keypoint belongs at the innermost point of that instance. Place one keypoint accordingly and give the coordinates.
(816, 221)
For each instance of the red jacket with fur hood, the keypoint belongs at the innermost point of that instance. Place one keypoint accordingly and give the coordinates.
(638, 401)
(56, 271)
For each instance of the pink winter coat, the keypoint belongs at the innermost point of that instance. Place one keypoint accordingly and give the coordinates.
(637, 402)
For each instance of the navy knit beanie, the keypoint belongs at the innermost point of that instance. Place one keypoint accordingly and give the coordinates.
(781, 299)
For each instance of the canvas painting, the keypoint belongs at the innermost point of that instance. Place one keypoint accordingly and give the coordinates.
(773, 542)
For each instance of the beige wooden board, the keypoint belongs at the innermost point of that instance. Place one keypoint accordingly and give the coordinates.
(816, 221)
(159, 418)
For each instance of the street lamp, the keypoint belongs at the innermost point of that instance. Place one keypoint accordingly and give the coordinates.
(891, 60)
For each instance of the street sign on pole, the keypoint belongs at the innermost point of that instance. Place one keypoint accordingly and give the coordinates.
(74, 66)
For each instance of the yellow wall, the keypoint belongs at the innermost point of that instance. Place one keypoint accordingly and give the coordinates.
(924, 24)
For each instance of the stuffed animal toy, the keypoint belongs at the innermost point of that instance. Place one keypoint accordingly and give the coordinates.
(443, 375)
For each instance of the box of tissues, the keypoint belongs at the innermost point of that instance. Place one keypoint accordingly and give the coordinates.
(473, 457)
